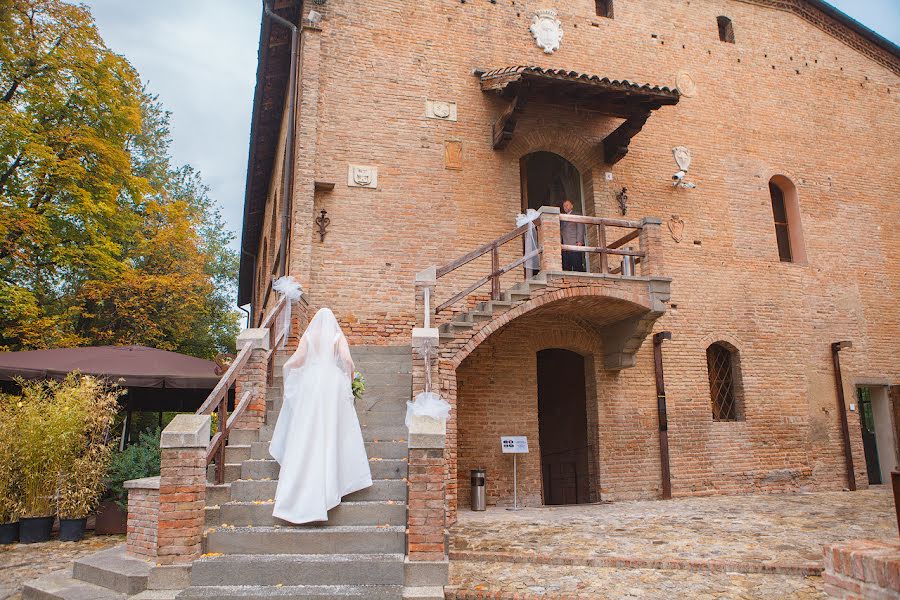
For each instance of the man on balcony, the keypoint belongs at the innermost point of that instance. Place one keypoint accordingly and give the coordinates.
(572, 235)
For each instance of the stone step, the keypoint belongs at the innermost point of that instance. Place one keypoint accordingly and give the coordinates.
(391, 468)
(305, 592)
(217, 494)
(232, 472)
(212, 515)
(383, 433)
(248, 490)
(243, 437)
(156, 595)
(423, 593)
(298, 569)
(374, 418)
(60, 585)
(325, 539)
(249, 514)
(260, 450)
(377, 380)
(114, 570)
(237, 454)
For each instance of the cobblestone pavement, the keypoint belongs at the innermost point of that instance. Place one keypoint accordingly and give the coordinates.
(505, 580)
(761, 546)
(784, 529)
(20, 563)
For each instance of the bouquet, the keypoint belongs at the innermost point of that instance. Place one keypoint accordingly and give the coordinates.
(359, 385)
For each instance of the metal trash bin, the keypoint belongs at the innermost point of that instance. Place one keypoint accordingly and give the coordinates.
(479, 501)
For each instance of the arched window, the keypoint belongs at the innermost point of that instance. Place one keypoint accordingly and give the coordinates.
(605, 8)
(725, 388)
(726, 29)
(786, 214)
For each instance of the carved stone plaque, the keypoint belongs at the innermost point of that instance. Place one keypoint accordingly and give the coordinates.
(362, 176)
(453, 156)
(547, 30)
(443, 111)
(685, 84)
(682, 157)
(676, 228)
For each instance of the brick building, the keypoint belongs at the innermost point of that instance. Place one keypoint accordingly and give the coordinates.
(736, 165)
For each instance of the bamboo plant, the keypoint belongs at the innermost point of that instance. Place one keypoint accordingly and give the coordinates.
(10, 463)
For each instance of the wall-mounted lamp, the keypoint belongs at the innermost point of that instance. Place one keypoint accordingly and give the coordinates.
(622, 197)
(322, 222)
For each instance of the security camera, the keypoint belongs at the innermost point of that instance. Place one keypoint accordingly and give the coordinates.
(678, 177)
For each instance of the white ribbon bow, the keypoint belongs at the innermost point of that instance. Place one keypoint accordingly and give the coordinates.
(290, 289)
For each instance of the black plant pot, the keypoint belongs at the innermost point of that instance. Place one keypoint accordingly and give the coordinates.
(9, 533)
(71, 530)
(33, 530)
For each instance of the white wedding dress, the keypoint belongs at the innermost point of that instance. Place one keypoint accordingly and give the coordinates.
(317, 439)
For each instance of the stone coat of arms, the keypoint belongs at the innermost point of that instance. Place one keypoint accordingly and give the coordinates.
(547, 30)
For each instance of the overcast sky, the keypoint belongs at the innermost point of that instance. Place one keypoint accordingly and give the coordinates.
(200, 57)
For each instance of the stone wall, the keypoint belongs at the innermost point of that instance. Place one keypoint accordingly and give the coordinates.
(860, 569)
(789, 98)
(143, 516)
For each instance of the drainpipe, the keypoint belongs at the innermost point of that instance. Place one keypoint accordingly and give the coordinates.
(661, 412)
(287, 183)
(836, 347)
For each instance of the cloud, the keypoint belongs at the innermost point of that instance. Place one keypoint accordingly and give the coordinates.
(200, 57)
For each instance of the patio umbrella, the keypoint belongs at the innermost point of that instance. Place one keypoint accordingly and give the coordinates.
(138, 366)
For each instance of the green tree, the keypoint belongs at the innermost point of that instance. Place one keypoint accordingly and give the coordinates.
(102, 239)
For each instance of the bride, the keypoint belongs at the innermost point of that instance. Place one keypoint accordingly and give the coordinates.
(317, 439)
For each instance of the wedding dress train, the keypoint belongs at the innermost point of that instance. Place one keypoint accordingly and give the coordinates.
(317, 439)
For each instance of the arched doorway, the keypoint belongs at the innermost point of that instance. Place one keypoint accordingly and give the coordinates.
(548, 179)
(563, 427)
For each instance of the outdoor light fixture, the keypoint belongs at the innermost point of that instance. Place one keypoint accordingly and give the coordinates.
(622, 197)
(322, 222)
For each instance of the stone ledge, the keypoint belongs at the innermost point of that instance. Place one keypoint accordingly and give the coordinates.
(626, 562)
(147, 483)
(870, 567)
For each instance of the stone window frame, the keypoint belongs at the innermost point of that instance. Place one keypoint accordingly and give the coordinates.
(726, 406)
(726, 29)
(791, 222)
(604, 8)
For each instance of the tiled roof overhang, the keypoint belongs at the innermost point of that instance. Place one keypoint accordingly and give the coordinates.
(624, 99)
(618, 98)
(272, 77)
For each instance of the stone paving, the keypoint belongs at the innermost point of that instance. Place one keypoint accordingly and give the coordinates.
(20, 563)
(760, 546)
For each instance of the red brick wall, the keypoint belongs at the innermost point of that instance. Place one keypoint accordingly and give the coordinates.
(182, 502)
(788, 99)
(863, 569)
(143, 517)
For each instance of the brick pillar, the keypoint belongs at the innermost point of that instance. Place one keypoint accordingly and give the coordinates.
(651, 242)
(143, 516)
(182, 489)
(427, 519)
(299, 322)
(253, 377)
(551, 259)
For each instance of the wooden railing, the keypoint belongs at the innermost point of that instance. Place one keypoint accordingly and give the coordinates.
(496, 270)
(604, 249)
(217, 401)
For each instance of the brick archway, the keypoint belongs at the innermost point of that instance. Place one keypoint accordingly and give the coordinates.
(582, 302)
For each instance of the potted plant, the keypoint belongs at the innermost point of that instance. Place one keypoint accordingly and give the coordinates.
(10, 475)
(89, 454)
(139, 460)
(41, 446)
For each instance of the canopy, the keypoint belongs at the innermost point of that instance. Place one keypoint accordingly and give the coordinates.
(138, 366)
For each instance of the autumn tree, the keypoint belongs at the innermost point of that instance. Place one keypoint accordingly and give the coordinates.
(102, 239)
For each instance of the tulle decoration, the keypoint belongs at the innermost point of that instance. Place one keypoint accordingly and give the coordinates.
(531, 242)
(290, 289)
(427, 403)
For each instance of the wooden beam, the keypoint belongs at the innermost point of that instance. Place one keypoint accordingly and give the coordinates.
(505, 126)
(615, 145)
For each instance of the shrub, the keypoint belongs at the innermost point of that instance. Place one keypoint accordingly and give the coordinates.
(10, 462)
(90, 447)
(137, 461)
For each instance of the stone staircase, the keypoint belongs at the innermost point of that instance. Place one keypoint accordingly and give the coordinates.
(485, 311)
(358, 553)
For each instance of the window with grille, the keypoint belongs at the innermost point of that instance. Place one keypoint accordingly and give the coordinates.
(605, 8)
(724, 382)
(726, 29)
(782, 231)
